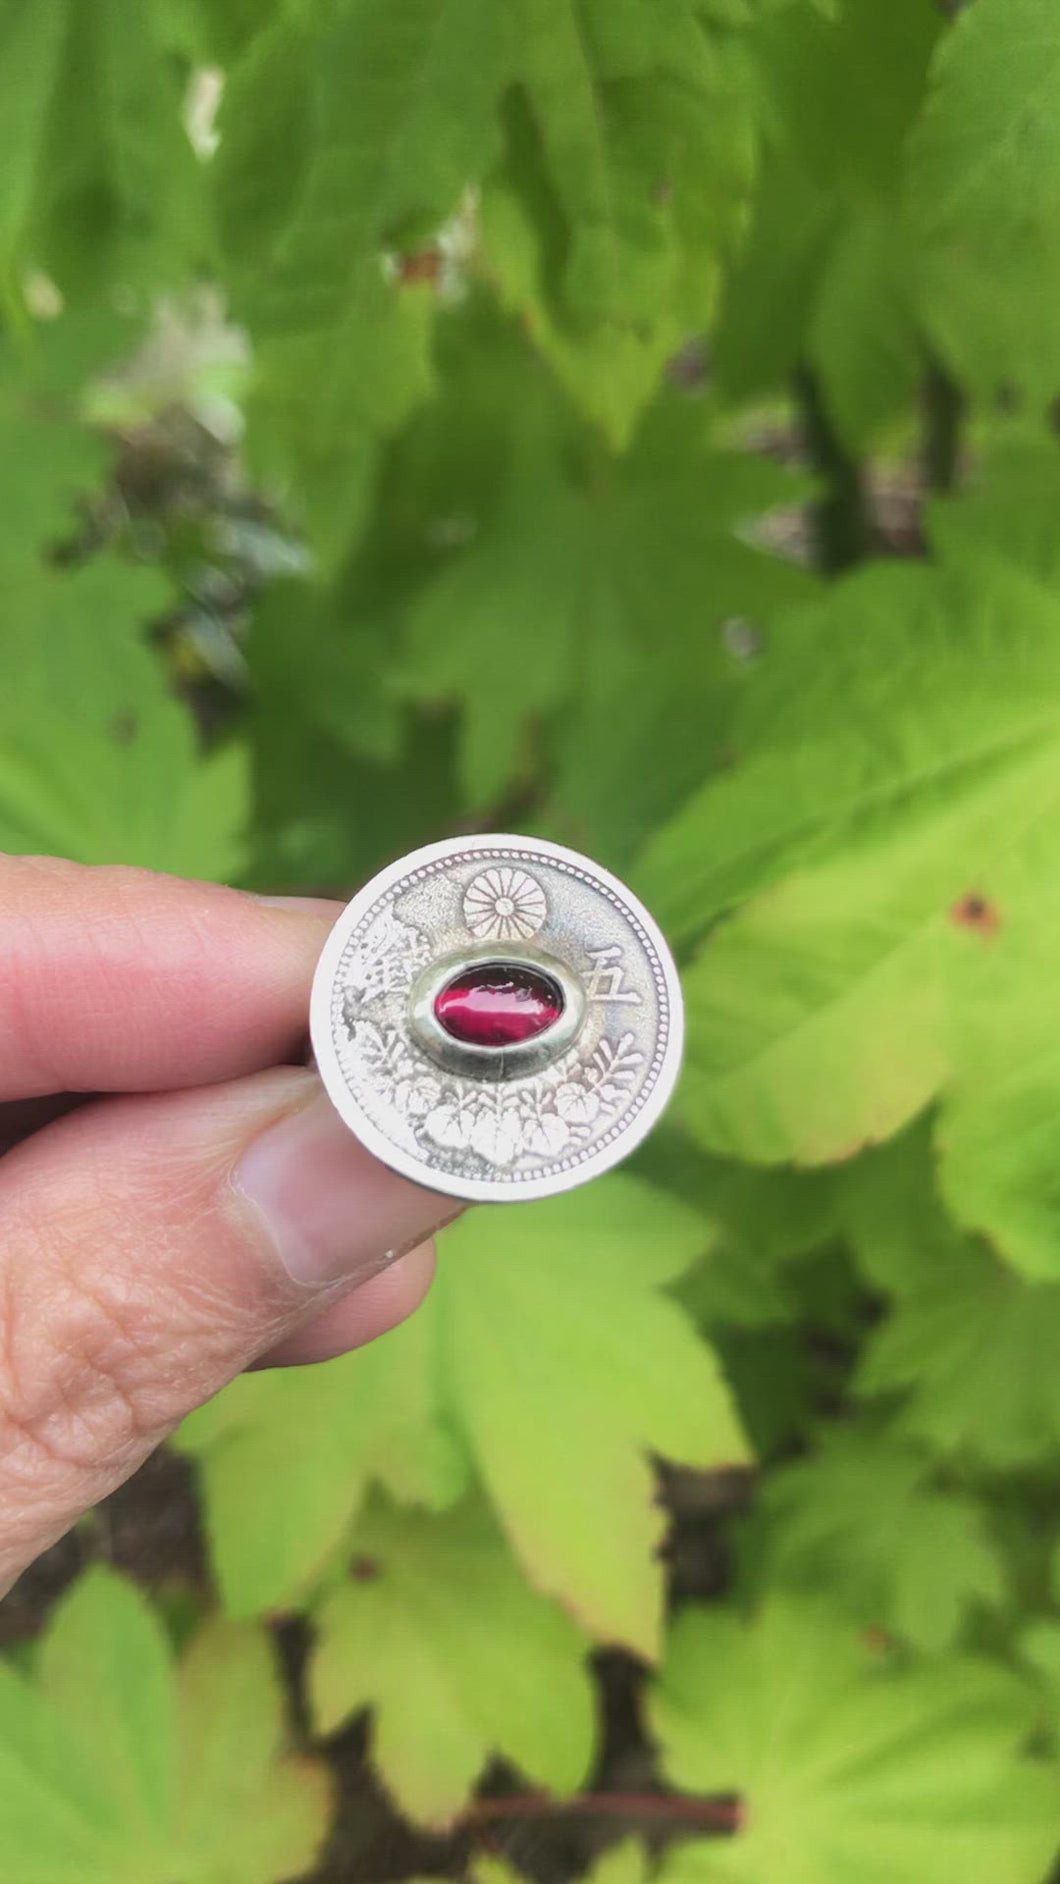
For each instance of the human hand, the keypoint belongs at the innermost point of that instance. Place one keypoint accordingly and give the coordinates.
(205, 1211)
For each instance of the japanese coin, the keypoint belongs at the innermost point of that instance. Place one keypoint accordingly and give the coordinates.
(497, 1018)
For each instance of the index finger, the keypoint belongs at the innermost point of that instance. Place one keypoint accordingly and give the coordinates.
(121, 980)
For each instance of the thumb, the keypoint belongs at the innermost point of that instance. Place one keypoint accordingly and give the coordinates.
(152, 1247)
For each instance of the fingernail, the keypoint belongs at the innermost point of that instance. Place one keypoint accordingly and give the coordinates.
(333, 1211)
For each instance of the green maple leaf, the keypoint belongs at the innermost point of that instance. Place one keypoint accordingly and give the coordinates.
(1008, 508)
(536, 1357)
(99, 181)
(384, 121)
(862, 1518)
(973, 1347)
(800, 990)
(629, 157)
(1039, 1644)
(44, 469)
(995, 1138)
(890, 835)
(322, 454)
(983, 187)
(624, 1863)
(545, 1320)
(740, 1287)
(339, 144)
(373, 1417)
(117, 1768)
(863, 340)
(829, 241)
(848, 1769)
(680, 600)
(888, 1205)
(30, 49)
(495, 625)
(782, 259)
(752, 12)
(763, 1222)
(967, 1341)
(926, 664)
(604, 586)
(435, 1608)
(208, 34)
(344, 779)
(97, 760)
(52, 459)
(581, 61)
(851, 80)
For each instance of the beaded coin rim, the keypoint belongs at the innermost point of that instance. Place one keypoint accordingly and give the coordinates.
(625, 1137)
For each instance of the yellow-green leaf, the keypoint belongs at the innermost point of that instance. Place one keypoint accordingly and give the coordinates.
(117, 1768)
(432, 1613)
(848, 1769)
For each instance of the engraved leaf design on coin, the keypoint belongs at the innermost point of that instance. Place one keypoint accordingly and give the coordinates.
(504, 905)
(387, 959)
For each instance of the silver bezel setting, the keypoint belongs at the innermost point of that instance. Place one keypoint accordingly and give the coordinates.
(510, 1062)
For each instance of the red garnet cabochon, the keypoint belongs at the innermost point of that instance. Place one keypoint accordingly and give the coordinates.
(498, 1004)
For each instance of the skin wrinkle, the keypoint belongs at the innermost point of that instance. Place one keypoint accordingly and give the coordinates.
(64, 1365)
(121, 1352)
(196, 1320)
(135, 1278)
(12, 1425)
(107, 1335)
(47, 1482)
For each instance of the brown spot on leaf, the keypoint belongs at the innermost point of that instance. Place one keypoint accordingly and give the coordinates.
(420, 265)
(365, 1569)
(976, 912)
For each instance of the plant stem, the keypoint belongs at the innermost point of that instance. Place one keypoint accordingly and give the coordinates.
(843, 530)
(716, 1815)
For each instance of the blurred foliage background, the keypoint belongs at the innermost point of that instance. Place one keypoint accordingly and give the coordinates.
(632, 422)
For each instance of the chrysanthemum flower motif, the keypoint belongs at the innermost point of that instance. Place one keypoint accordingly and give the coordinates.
(503, 905)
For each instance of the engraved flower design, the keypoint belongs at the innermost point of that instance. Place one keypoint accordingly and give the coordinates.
(504, 905)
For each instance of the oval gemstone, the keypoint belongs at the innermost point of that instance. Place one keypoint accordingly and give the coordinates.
(498, 1004)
